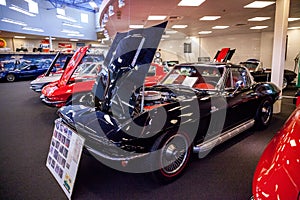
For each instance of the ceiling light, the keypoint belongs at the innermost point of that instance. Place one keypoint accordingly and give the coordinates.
(21, 10)
(69, 31)
(93, 4)
(190, 2)
(204, 32)
(19, 37)
(259, 27)
(171, 31)
(71, 25)
(293, 28)
(179, 26)
(14, 22)
(259, 19)
(165, 36)
(52, 38)
(220, 27)
(291, 19)
(259, 4)
(75, 34)
(33, 29)
(3, 2)
(134, 26)
(66, 18)
(74, 40)
(60, 11)
(157, 17)
(209, 18)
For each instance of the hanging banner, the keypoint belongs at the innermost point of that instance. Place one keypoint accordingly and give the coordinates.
(64, 156)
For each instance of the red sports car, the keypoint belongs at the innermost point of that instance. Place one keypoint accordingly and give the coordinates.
(155, 74)
(277, 175)
(78, 80)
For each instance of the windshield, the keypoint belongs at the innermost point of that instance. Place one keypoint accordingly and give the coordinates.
(251, 66)
(200, 77)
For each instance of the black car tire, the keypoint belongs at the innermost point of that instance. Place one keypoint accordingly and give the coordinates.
(170, 157)
(10, 78)
(264, 114)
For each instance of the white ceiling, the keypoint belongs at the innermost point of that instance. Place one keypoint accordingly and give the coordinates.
(231, 11)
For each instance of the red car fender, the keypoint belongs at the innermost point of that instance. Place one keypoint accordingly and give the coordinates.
(277, 175)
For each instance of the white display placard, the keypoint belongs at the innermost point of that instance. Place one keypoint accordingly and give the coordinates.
(64, 156)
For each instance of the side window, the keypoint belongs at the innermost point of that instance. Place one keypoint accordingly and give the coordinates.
(237, 76)
(33, 67)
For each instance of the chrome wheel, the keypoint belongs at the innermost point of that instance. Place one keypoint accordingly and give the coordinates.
(264, 114)
(174, 155)
(10, 77)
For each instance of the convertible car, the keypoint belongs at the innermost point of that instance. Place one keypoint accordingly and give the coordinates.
(49, 76)
(262, 74)
(277, 173)
(155, 129)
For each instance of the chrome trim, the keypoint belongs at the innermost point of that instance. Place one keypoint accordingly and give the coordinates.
(108, 157)
(211, 143)
(51, 103)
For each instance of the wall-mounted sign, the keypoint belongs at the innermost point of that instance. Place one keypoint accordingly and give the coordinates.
(2, 43)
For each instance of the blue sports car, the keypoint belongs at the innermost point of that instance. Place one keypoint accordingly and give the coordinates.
(28, 71)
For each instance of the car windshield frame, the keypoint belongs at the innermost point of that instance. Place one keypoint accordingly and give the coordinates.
(195, 75)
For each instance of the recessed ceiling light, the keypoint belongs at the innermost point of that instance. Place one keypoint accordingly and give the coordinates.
(259, 19)
(291, 19)
(295, 27)
(209, 18)
(21, 10)
(171, 31)
(259, 4)
(190, 2)
(14, 22)
(33, 29)
(204, 32)
(259, 27)
(157, 17)
(165, 36)
(52, 38)
(179, 26)
(220, 27)
(134, 26)
(19, 37)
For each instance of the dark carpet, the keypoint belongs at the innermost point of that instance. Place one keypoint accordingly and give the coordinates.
(26, 128)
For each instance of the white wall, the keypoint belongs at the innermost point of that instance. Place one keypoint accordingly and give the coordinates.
(252, 45)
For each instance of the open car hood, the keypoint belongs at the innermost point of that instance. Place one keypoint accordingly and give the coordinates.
(128, 62)
(72, 65)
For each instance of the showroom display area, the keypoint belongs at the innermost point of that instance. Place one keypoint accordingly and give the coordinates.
(27, 128)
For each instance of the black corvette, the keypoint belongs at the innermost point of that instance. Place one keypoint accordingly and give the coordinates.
(262, 74)
(156, 129)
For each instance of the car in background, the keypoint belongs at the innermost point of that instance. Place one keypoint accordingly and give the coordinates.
(77, 79)
(194, 108)
(262, 74)
(155, 74)
(277, 173)
(29, 71)
(49, 76)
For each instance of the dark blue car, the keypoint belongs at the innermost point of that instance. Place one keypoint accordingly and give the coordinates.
(26, 72)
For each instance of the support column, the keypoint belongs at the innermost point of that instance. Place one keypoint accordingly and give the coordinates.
(50, 43)
(279, 45)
